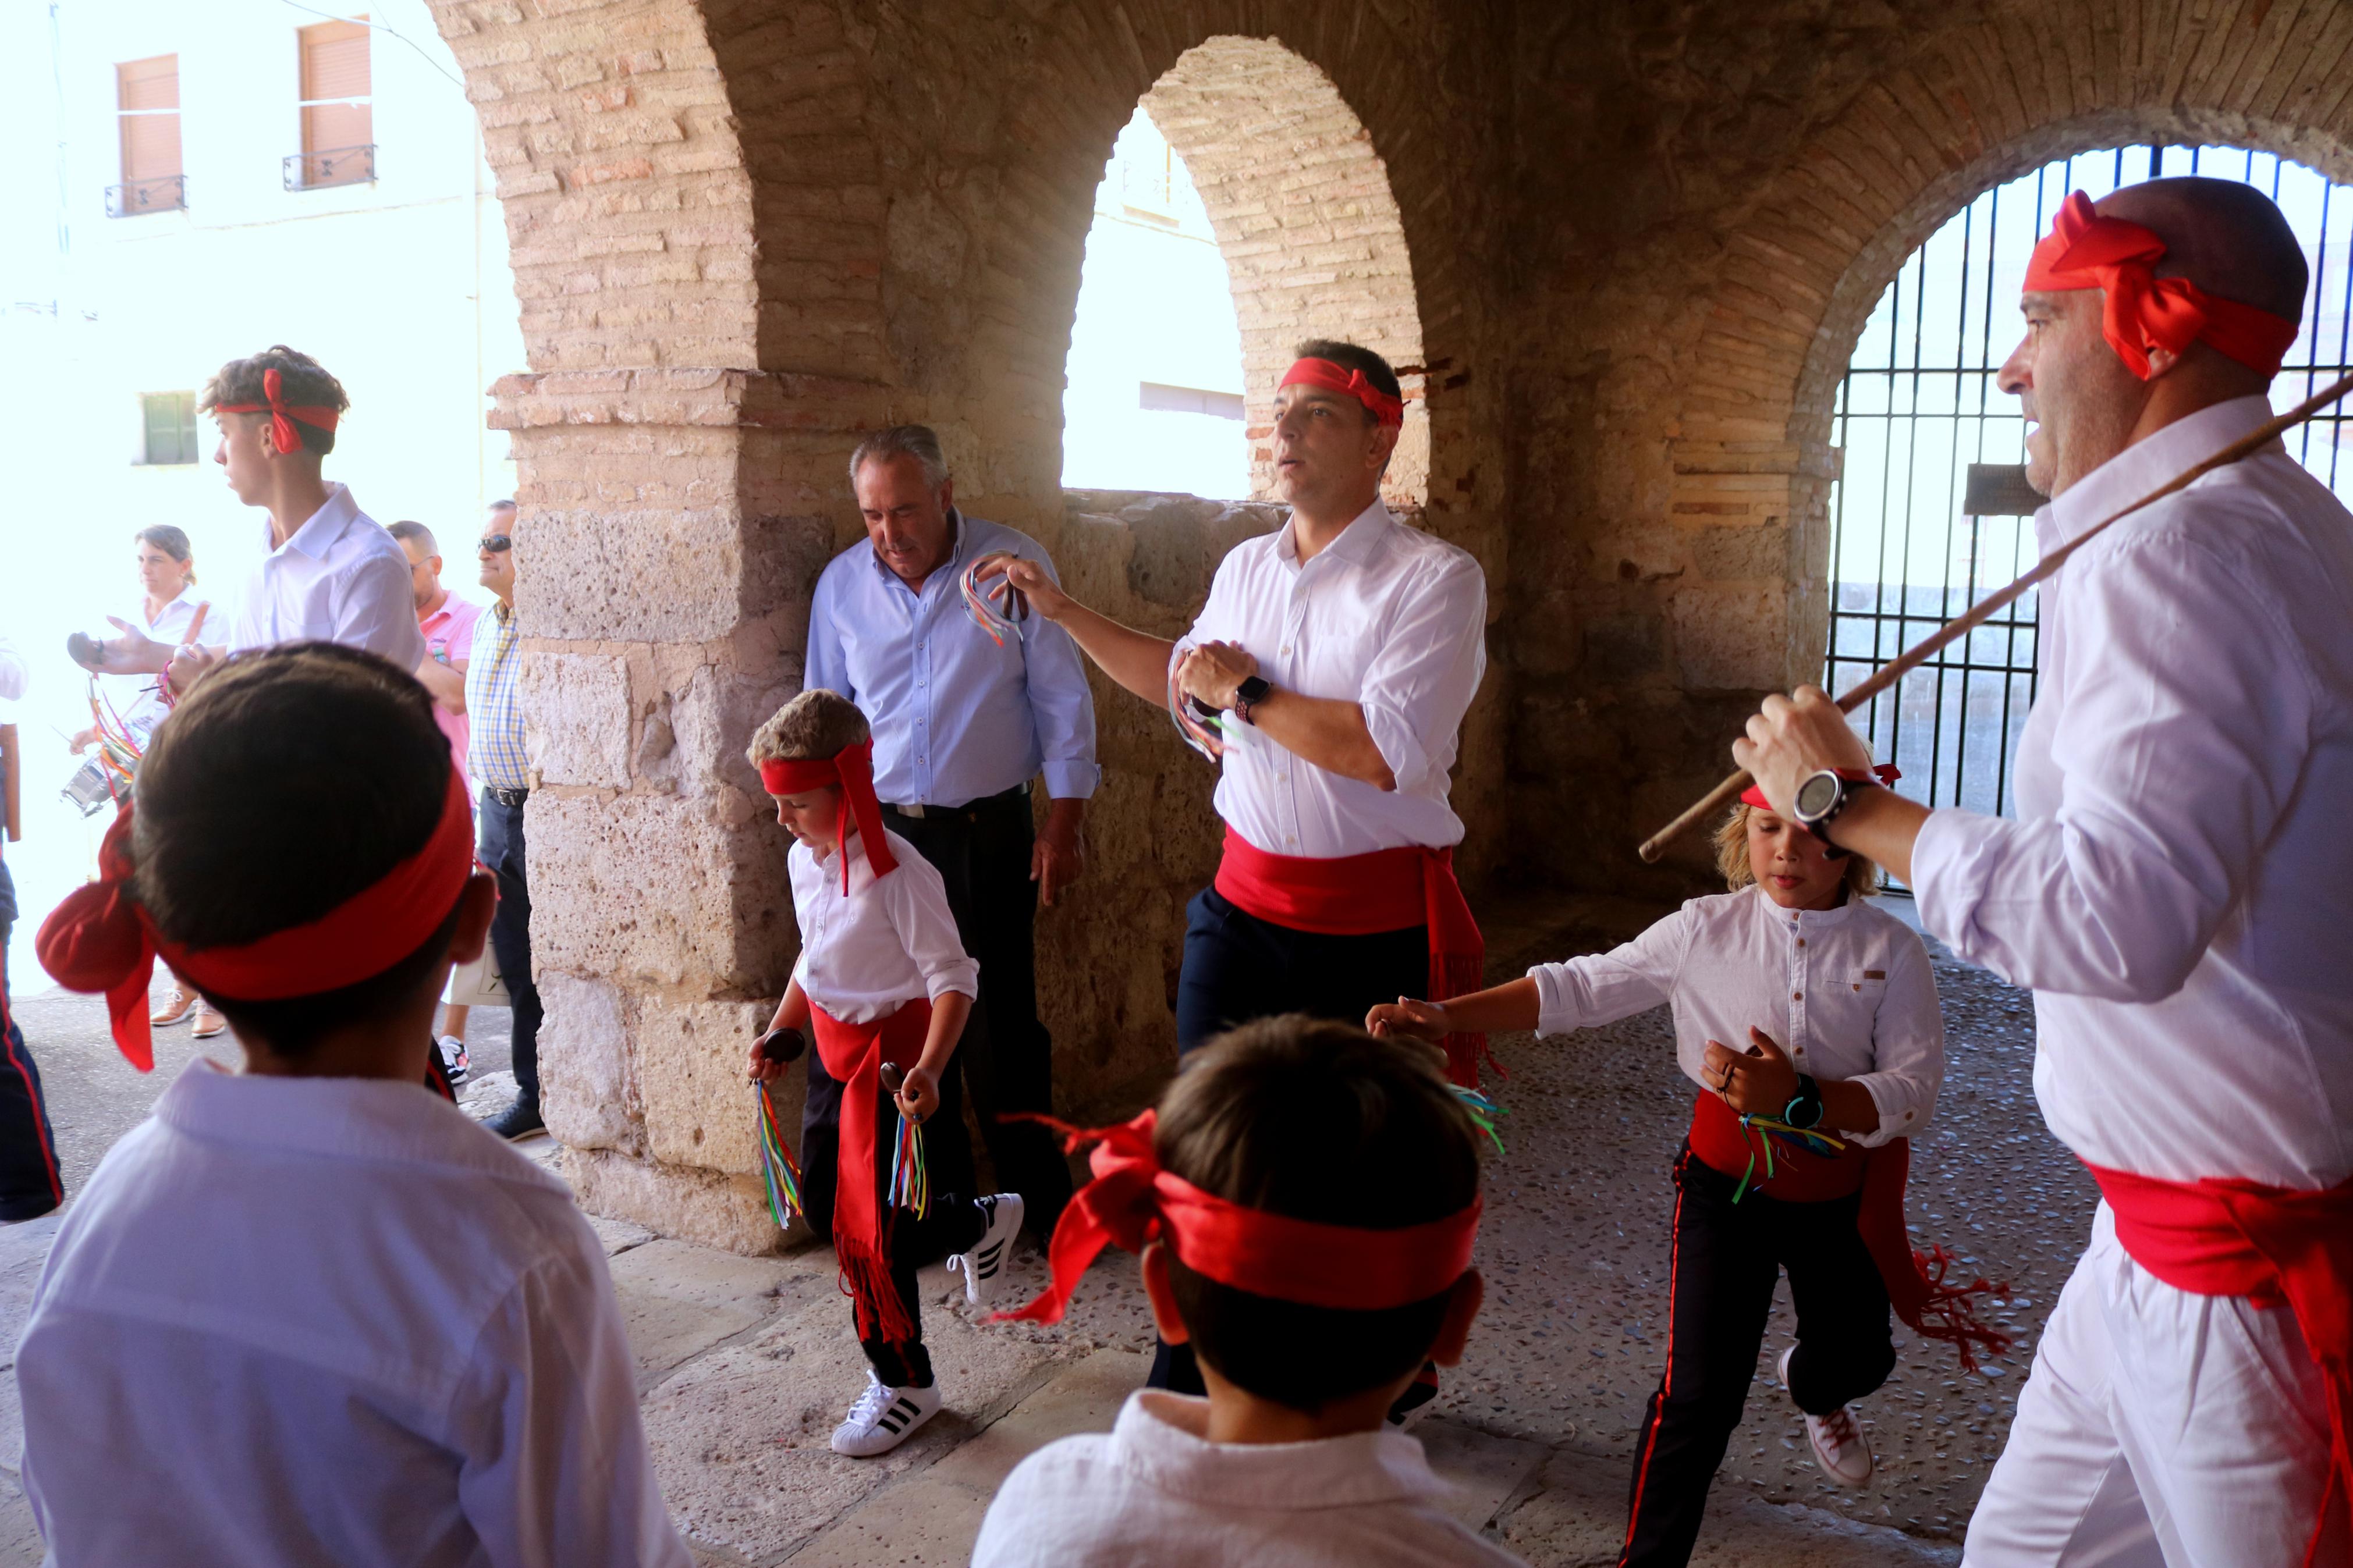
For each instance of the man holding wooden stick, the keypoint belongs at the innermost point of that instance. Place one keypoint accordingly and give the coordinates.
(2178, 888)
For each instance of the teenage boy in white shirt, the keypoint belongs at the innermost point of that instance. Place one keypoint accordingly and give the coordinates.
(309, 1312)
(1306, 1199)
(883, 982)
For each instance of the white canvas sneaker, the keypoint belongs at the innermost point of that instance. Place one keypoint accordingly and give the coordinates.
(1840, 1451)
(883, 1418)
(983, 1266)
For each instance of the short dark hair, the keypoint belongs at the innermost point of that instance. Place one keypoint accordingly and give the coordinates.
(1320, 1121)
(172, 541)
(339, 741)
(1353, 356)
(301, 380)
(406, 530)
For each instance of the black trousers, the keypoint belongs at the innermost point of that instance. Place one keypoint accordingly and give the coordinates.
(30, 1185)
(502, 851)
(949, 1223)
(1005, 1061)
(1726, 1258)
(1238, 967)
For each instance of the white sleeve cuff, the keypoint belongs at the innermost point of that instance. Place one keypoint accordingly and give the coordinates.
(962, 978)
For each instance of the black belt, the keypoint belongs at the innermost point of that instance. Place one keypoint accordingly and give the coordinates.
(970, 810)
(506, 797)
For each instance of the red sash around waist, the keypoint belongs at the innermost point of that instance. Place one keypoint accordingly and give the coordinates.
(2273, 1245)
(1934, 1305)
(1361, 895)
(854, 1054)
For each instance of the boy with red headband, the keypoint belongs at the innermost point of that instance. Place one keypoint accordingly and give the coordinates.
(885, 985)
(1797, 1153)
(322, 1315)
(1306, 1199)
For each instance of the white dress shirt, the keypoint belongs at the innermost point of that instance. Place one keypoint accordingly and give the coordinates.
(136, 698)
(2178, 887)
(1384, 616)
(12, 672)
(1155, 1489)
(1847, 992)
(341, 578)
(955, 716)
(867, 953)
(295, 1321)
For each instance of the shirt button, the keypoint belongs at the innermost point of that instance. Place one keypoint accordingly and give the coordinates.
(1286, 650)
(1801, 941)
(1796, 995)
(1282, 778)
(1291, 841)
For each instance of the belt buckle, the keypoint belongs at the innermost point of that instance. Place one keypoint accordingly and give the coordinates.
(914, 811)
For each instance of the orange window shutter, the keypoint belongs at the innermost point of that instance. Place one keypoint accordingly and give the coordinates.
(335, 84)
(148, 94)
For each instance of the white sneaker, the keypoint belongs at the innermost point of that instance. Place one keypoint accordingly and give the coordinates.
(1840, 1451)
(883, 1417)
(983, 1266)
(455, 1061)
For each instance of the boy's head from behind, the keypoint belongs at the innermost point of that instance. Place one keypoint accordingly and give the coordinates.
(1323, 1123)
(812, 727)
(291, 780)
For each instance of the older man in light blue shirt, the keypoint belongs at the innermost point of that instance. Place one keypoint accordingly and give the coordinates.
(963, 723)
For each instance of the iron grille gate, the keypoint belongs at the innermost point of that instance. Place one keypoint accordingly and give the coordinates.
(1930, 513)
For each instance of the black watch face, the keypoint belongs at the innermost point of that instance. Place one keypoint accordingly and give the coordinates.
(1252, 690)
(1817, 795)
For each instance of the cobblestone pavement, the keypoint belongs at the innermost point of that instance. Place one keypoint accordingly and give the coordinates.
(745, 1364)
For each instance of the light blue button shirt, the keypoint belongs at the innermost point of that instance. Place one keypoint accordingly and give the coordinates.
(956, 717)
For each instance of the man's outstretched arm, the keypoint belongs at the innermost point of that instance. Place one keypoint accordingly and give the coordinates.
(1138, 661)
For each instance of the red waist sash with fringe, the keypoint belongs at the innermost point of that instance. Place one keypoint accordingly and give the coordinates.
(1932, 1305)
(2277, 1245)
(854, 1054)
(1363, 895)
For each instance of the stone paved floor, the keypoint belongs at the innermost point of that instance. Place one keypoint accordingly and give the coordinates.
(745, 1364)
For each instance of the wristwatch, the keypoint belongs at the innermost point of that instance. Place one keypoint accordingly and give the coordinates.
(1250, 692)
(1804, 1110)
(1821, 796)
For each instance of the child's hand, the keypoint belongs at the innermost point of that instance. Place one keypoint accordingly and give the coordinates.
(1409, 1019)
(1757, 1082)
(773, 1051)
(919, 1094)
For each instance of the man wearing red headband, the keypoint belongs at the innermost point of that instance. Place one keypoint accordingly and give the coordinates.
(2177, 888)
(309, 1312)
(331, 573)
(1306, 1199)
(1328, 674)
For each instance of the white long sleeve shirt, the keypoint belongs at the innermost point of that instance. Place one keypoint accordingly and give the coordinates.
(293, 1321)
(1847, 992)
(1155, 1489)
(12, 673)
(1384, 616)
(2178, 887)
(867, 953)
(340, 578)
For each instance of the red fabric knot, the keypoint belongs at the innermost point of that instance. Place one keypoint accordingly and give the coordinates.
(2144, 311)
(1333, 377)
(283, 416)
(98, 939)
(852, 770)
(1133, 1200)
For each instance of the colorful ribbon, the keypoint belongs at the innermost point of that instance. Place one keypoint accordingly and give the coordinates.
(283, 416)
(1001, 618)
(2144, 311)
(778, 1174)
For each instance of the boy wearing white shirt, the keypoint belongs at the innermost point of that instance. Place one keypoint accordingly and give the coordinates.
(309, 1312)
(1795, 1159)
(885, 985)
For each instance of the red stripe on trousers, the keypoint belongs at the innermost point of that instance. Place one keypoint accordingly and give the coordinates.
(1666, 1381)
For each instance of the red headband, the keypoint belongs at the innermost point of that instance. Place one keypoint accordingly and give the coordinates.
(281, 431)
(1885, 772)
(852, 768)
(101, 939)
(1333, 377)
(1131, 1201)
(2084, 250)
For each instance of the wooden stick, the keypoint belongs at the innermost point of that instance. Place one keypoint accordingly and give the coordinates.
(1976, 615)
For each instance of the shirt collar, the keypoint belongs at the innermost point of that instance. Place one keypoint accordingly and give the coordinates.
(2146, 465)
(1160, 1436)
(1353, 545)
(324, 526)
(333, 1118)
(1806, 919)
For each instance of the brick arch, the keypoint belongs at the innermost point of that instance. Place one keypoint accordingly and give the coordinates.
(1796, 281)
(1304, 217)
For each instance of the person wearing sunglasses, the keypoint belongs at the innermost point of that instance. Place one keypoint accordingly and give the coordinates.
(494, 756)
